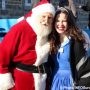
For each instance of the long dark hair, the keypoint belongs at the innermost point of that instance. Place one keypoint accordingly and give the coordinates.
(72, 30)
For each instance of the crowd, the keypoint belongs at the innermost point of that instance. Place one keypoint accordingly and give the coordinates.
(46, 50)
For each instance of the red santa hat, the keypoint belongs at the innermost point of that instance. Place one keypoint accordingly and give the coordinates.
(43, 6)
(25, 16)
(28, 14)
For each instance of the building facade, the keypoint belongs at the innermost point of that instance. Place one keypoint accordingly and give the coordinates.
(17, 8)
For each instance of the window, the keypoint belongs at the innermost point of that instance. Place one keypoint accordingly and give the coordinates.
(3, 5)
(28, 2)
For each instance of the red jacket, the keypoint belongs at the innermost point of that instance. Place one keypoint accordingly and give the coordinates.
(19, 45)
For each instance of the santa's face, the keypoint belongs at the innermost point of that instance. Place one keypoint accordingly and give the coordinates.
(43, 23)
(46, 19)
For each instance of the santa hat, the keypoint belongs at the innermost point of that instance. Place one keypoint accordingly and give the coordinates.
(43, 6)
(25, 16)
(28, 14)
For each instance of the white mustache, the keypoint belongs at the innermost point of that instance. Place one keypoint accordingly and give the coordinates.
(44, 23)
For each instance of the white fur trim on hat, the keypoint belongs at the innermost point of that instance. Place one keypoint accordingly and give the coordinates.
(44, 8)
(20, 19)
(6, 81)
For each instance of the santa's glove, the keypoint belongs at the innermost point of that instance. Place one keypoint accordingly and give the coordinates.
(6, 81)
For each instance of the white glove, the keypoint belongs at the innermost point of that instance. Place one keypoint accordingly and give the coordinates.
(6, 81)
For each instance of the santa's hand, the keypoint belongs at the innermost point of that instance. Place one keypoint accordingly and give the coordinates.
(6, 81)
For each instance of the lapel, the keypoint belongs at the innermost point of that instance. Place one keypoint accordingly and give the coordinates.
(72, 59)
(77, 51)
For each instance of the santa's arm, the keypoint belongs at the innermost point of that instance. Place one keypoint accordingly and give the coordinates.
(7, 48)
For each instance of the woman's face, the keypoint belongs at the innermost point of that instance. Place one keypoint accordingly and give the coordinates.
(61, 23)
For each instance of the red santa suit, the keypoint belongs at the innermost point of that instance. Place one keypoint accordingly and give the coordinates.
(22, 44)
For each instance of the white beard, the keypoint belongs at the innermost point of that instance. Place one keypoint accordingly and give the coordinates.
(42, 49)
(40, 29)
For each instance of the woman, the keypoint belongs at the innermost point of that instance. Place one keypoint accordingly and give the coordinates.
(67, 52)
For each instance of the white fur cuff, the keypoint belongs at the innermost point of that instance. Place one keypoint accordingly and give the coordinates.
(6, 81)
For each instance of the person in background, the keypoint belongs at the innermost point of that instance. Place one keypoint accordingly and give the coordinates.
(86, 8)
(24, 51)
(88, 28)
(68, 57)
(70, 5)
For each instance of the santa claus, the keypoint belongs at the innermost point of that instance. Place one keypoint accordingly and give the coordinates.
(24, 51)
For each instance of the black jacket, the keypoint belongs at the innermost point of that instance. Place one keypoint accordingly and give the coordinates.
(81, 65)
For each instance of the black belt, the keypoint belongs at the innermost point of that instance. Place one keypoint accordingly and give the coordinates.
(43, 68)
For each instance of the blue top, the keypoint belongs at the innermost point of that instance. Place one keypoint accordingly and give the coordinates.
(62, 77)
